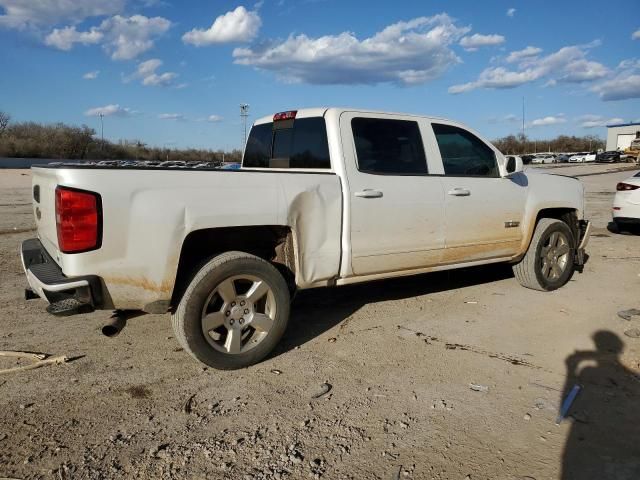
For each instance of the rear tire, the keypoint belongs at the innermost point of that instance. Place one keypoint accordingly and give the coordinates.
(549, 261)
(234, 312)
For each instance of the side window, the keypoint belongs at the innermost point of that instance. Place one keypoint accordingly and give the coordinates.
(389, 146)
(288, 144)
(463, 153)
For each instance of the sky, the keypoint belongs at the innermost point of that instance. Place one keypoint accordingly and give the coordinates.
(173, 73)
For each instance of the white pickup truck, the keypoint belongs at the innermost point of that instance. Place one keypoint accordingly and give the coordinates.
(324, 197)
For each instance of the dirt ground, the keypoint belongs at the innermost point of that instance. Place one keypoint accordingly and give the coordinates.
(400, 356)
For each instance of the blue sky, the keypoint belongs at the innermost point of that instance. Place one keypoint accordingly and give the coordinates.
(173, 73)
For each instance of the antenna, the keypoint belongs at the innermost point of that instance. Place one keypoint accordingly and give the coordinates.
(244, 114)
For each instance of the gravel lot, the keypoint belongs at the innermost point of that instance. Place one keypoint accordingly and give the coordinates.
(400, 356)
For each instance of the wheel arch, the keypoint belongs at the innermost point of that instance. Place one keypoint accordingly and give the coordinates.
(569, 215)
(274, 243)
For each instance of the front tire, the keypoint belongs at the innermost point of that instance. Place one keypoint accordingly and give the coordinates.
(234, 312)
(549, 261)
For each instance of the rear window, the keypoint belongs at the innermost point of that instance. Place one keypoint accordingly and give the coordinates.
(301, 143)
(389, 147)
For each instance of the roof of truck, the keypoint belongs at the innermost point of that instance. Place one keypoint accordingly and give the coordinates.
(321, 111)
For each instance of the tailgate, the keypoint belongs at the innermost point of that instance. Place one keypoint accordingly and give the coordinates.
(44, 185)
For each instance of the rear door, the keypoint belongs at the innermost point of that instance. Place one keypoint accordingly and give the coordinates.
(396, 209)
(483, 210)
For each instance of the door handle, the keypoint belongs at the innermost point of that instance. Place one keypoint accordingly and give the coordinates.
(459, 192)
(368, 193)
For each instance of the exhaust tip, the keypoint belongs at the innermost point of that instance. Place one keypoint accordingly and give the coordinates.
(110, 331)
(115, 326)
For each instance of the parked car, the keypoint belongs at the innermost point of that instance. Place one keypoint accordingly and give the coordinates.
(626, 203)
(608, 157)
(578, 157)
(526, 159)
(325, 197)
(562, 158)
(231, 166)
(590, 157)
(544, 158)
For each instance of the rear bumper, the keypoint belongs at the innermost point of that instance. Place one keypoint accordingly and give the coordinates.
(46, 279)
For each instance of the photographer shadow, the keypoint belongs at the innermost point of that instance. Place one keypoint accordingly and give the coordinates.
(604, 440)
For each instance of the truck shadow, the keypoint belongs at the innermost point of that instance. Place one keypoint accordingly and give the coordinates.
(313, 312)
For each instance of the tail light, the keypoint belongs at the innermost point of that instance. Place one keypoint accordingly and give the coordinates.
(78, 220)
(624, 187)
(290, 115)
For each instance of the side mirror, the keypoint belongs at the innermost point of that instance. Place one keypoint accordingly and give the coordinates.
(514, 165)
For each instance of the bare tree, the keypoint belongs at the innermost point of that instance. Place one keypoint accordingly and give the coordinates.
(4, 121)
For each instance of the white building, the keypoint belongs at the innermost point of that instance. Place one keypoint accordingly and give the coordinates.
(619, 136)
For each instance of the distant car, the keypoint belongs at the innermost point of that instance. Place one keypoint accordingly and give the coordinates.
(578, 157)
(562, 158)
(544, 158)
(608, 157)
(526, 159)
(626, 203)
(231, 166)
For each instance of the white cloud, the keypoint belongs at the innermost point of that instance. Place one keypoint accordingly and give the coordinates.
(65, 38)
(519, 55)
(113, 110)
(497, 77)
(214, 118)
(91, 75)
(38, 13)
(629, 64)
(549, 120)
(123, 38)
(569, 64)
(406, 53)
(477, 40)
(128, 37)
(238, 25)
(171, 116)
(594, 121)
(511, 12)
(636, 35)
(148, 75)
(622, 87)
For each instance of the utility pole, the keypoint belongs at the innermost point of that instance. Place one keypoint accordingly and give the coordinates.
(101, 131)
(244, 114)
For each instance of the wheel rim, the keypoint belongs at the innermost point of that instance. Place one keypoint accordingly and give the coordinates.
(238, 314)
(554, 256)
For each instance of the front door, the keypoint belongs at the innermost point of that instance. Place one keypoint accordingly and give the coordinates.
(483, 210)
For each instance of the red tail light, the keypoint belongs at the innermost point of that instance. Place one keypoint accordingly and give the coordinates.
(78, 220)
(290, 115)
(623, 187)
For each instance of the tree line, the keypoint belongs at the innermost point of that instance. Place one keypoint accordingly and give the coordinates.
(61, 141)
(519, 144)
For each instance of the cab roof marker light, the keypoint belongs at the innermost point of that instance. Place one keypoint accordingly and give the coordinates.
(290, 115)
